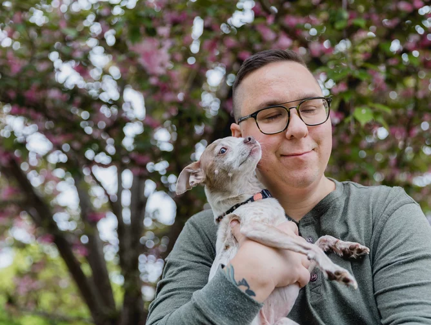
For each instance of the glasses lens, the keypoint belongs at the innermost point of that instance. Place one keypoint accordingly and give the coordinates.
(314, 111)
(272, 120)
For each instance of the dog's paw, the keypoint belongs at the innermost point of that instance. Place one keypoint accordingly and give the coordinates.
(350, 249)
(343, 276)
(342, 248)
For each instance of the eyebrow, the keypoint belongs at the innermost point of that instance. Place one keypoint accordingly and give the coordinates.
(274, 102)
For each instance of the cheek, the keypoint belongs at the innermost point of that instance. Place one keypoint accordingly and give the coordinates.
(323, 137)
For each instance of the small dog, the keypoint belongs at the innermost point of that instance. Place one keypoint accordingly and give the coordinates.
(227, 169)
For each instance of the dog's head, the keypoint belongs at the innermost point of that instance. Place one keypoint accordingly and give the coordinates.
(222, 161)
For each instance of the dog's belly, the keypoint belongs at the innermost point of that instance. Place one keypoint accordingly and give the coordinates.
(223, 258)
(278, 304)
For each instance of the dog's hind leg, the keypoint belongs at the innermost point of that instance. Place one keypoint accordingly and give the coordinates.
(274, 237)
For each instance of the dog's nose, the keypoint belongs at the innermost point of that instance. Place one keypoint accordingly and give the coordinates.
(249, 140)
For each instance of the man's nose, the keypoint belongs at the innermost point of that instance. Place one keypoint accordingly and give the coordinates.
(249, 140)
(296, 128)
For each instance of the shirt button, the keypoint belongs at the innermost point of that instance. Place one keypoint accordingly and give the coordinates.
(313, 277)
(310, 240)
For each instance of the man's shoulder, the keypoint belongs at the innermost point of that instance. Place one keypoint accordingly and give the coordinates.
(381, 197)
(203, 223)
(374, 192)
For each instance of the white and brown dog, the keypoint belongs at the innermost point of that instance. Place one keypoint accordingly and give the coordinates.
(227, 169)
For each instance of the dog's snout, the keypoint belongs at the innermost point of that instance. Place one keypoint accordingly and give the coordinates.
(249, 140)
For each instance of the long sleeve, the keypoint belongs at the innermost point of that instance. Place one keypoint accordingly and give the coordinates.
(184, 296)
(402, 263)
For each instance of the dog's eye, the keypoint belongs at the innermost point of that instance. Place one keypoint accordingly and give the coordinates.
(222, 150)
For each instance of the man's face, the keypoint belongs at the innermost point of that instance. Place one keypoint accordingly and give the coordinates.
(298, 156)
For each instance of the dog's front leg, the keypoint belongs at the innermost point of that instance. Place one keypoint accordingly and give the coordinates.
(274, 237)
(342, 248)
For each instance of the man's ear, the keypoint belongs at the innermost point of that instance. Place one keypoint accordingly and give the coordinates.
(236, 130)
(190, 176)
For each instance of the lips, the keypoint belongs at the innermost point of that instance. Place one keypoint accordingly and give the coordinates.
(297, 154)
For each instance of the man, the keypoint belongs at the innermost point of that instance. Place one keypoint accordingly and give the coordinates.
(394, 280)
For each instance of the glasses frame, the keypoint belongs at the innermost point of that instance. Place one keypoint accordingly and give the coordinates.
(301, 101)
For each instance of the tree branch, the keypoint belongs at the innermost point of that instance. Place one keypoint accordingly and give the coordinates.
(43, 217)
(95, 258)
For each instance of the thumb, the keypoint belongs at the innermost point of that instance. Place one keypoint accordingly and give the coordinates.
(235, 228)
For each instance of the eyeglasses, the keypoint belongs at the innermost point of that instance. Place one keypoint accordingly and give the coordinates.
(275, 118)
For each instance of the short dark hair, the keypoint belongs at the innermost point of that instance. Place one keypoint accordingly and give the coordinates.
(257, 61)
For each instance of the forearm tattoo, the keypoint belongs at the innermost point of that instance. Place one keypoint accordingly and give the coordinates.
(230, 272)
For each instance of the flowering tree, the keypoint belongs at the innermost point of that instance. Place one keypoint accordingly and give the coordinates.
(103, 104)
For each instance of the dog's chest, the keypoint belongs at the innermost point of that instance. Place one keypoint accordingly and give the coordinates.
(267, 211)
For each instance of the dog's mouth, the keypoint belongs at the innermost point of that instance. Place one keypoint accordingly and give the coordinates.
(252, 150)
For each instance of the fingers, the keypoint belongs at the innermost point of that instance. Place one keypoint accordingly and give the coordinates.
(303, 277)
(235, 228)
(289, 226)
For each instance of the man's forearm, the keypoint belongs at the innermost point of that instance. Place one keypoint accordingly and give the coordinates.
(248, 280)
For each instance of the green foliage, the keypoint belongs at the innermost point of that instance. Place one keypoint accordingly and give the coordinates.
(66, 69)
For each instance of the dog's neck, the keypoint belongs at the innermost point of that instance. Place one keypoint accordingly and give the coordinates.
(237, 191)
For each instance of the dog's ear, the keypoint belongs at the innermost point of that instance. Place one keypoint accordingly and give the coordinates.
(190, 176)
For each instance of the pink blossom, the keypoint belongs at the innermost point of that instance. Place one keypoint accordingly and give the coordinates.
(230, 42)
(57, 94)
(244, 55)
(14, 63)
(82, 70)
(96, 216)
(151, 122)
(17, 18)
(266, 32)
(136, 171)
(270, 19)
(339, 88)
(398, 132)
(46, 239)
(26, 284)
(62, 23)
(5, 158)
(175, 17)
(315, 49)
(378, 80)
(177, 57)
(257, 9)
(163, 31)
(80, 249)
(336, 117)
(43, 65)
(228, 105)
(105, 11)
(9, 192)
(418, 4)
(391, 23)
(32, 95)
(11, 93)
(140, 159)
(209, 45)
(283, 42)
(17, 110)
(408, 92)
(292, 21)
(393, 61)
(152, 57)
(405, 6)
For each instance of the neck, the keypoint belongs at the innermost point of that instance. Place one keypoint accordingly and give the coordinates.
(297, 202)
(223, 200)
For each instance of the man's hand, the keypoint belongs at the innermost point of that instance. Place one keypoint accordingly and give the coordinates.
(265, 268)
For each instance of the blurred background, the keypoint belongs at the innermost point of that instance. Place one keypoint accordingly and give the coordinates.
(102, 103)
